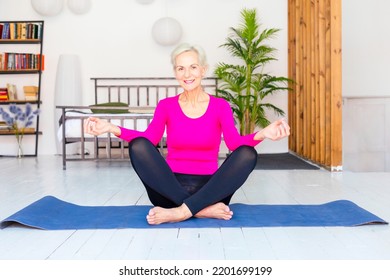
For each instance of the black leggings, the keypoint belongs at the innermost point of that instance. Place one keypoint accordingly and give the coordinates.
(168, 189)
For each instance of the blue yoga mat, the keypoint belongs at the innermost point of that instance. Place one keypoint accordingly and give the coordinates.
(51, 213)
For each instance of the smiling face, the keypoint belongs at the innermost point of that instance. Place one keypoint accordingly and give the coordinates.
(188, 70)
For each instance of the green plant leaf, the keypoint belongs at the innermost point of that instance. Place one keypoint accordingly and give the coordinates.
(246, 84)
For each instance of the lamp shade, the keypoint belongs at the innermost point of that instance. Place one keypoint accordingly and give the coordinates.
(167, 31)
(68, 80)
(79, 6)
(47, 7)
(68, 91)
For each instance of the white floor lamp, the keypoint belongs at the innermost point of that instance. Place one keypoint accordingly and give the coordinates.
(68, 90)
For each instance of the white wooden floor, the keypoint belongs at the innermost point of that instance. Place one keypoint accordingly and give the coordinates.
(89, 183)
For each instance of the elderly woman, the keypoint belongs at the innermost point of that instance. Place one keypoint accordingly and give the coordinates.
(189, 181)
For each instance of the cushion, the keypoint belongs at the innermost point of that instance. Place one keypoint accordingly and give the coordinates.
(142, 110)
(111, 110)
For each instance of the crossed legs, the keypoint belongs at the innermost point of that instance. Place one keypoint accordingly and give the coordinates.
(172, 201)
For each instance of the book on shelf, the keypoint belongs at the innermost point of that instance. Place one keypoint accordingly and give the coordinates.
(41, 62)
(23, 31)
(5, 34)
(4, 126)
(30, 93)
(20, 30)
(30, 89)
(4, 94)
(12, 93)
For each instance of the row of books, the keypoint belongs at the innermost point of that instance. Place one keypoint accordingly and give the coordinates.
(21, 61)
(6, 129)
(4, 126)
(9, 93)
(20, 30)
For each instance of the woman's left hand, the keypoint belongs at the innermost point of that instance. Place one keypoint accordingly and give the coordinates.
(275, 131)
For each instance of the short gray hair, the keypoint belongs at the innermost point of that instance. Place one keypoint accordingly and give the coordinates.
(185, 47)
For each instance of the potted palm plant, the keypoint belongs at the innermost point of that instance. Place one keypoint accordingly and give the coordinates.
(246, 85)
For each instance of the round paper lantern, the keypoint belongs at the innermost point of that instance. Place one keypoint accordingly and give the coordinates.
(47, 7)
(79, 6)
(167, 31)
(145, 1)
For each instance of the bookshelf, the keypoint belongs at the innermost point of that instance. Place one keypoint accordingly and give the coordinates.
(21, 66)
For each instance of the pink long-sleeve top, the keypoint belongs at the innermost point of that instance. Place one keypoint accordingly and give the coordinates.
(192, 143)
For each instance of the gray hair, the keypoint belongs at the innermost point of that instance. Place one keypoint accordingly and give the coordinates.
(185, 47)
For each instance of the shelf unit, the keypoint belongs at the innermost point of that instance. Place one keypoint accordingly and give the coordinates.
(6, 73)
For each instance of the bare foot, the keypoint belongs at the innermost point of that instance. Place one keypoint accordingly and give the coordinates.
(216, 211)
(159, 215)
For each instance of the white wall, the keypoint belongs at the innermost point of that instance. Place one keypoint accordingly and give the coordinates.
(366, 134)
(366, 90)
(114, 40)
(366, 45)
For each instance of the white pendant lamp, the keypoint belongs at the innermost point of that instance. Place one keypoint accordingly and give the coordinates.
(145, 2)
(167, 31)
(79, 7)
(47, 7)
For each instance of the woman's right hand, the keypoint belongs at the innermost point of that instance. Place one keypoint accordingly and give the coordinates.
(97, 126)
